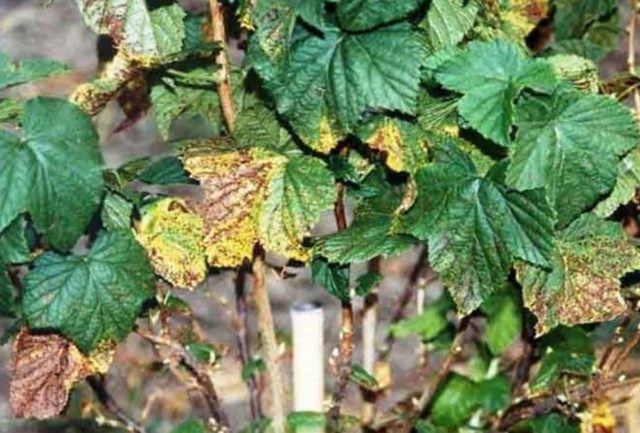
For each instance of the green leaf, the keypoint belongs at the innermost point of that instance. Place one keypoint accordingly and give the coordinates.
(146, 35)
(202, 352)
(475, 226)
(326, 83)
(164, 171)
(27, 70)
(626, 184)
(366, 283)
(361, 377)
(552, 423)
(53, 172)
(296, 196)
(116, 212)
(583, 284)
(311, 11)
(301, 419)
(460, 397)
(172, 99)
(504, 320)
(93, 298)
(448, 21)
(358, 15)
(572, 18)
(427, 325)
(14, 247)
(253, 367)
(191, 425)
(570, 143)
(331, 276)
(491, 75)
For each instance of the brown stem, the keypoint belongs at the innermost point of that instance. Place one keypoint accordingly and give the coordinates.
(180, 355)
(242, 339)
(345, 354)
(225, 91)
(268, 339)
(430, 391)
(98, 386)
(526, 360)
(403, 301)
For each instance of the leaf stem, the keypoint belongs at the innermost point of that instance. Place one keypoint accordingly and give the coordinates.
(269, 343)
(369, 324)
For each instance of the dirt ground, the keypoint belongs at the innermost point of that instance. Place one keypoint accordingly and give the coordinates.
(57, 31)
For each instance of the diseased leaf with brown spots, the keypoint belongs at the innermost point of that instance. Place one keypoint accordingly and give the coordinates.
(255, 194)
(44, 368)
(403, 144)
(583, 284)
(520, 17)
(173, 236)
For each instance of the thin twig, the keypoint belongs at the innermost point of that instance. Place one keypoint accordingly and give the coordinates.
(242, 340)
(98, 386)
(403, 301)
(269, 343)
(225, 91)
(181, 356)
(430, 390)
(345, 353)
(631, 51)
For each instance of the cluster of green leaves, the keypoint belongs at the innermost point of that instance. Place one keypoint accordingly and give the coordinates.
(444, 129)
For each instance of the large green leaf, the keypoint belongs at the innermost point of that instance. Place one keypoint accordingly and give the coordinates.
(570, 143)
(91, 298)
(146, 34)
(358, 15)
(475, 226)
(448, 21)
(583, 284)
(330, 81)
(53, 171)
(491, 75)
(572, 18)
(27, 70)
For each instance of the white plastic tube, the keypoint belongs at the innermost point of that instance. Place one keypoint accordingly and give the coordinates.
(307, 320)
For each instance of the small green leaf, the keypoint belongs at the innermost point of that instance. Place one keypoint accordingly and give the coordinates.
(10, 109)
(333, 277)
(92, 298)
(626, 184)
(504, 320)
(427, 325)
(202, 352)
(311, 11)
(164, 171)
(362, 378)
(296, 420)
(491, 75)
(27, 70)
(191, 425)
(366, 282)
(448, 21)
(53, 171)
(552, 423)
(254, 367)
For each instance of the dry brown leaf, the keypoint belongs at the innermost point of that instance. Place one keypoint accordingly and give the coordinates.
(43, 369)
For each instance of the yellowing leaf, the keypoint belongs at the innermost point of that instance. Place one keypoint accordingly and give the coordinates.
(234, 184)
(598, 418)
(173, 236)
(583, 284)
(403, 144)
(257, 195)
(521, 16)
(44, 368)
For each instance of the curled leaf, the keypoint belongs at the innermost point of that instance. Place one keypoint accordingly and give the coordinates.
(44, 368)
(172, 234)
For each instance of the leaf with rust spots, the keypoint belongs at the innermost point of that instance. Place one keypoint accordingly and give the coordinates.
(173, 236)
(145, 35)
(520, 17)
(255, 194)
(403, 144)
(44, 368)
(583, 283)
